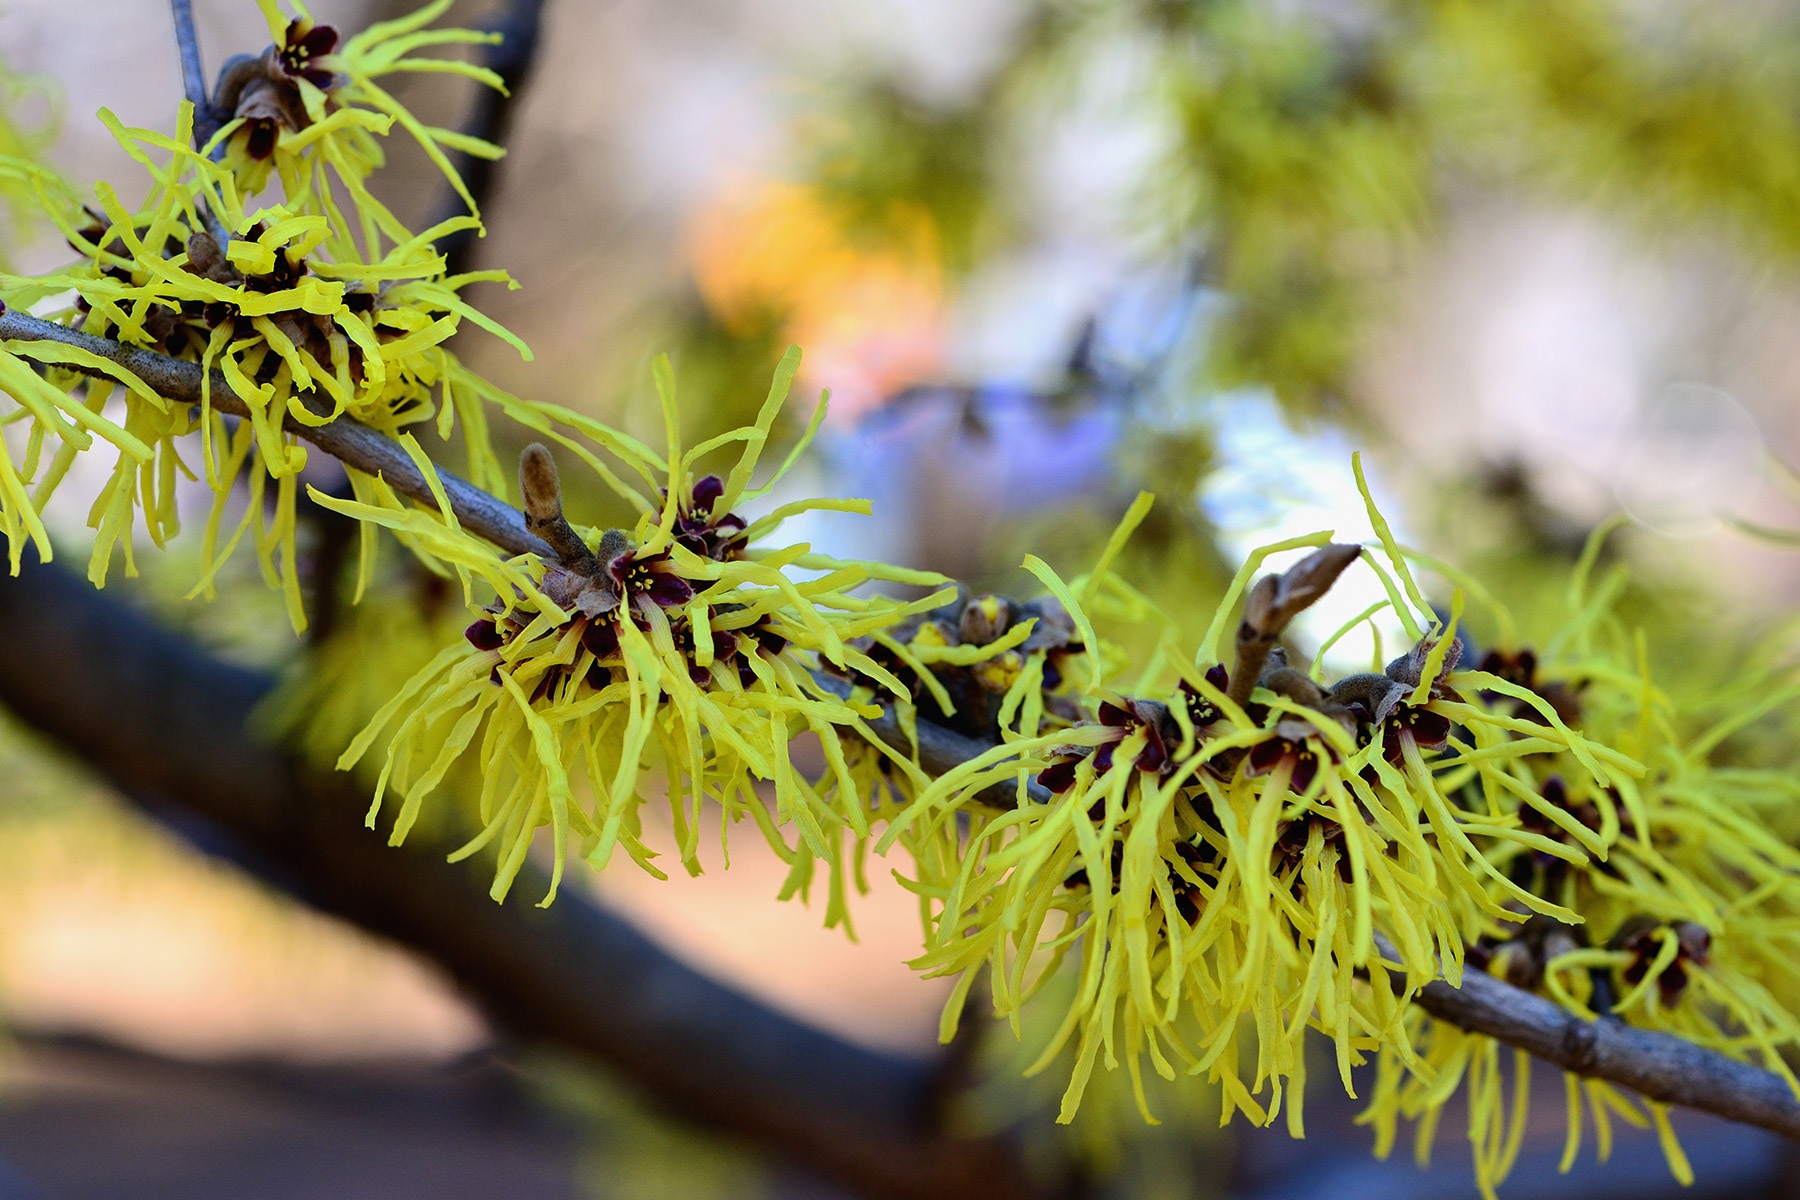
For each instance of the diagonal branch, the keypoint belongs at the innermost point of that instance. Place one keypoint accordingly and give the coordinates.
(1658, 1065)
(350, 442)
(374, 453)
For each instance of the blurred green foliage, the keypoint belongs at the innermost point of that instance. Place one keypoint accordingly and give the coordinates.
(633, 1152)
(1314, 145)
(875, 152)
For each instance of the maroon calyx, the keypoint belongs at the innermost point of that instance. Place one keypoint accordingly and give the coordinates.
(1121, 721)
(1201, 711)
(1059, 776)
(1293, 743)
(484, 635)
(1296, 835)
(706, 494)
(264, 132)
(652, 577)
(1640, 938)
(601, 638)
(719, 538)
(1426, 729)
(302, 45)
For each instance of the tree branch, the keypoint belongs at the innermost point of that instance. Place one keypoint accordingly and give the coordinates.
(193, 74)
(1657, 1065)
(1660, 1066)
(941, 749)
(350, 442)
(169, 725)
(207, 118)
(374, 453)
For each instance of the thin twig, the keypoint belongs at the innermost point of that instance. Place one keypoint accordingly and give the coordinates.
(207, 119)
(1657, 1065)
(193, 75)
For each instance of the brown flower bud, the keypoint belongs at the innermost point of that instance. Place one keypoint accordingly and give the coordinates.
(207, 259)
(984, 619)
(1274, 601)
(1695, 941)
(1278, 599)
(542, 495)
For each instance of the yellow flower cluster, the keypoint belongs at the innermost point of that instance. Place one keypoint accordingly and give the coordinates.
(307, 110)
(1220, 877)
(1685, 905)
(1196, 860)
(682, 650)
(306, 310)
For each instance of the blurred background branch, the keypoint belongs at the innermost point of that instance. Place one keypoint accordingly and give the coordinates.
(170, 726)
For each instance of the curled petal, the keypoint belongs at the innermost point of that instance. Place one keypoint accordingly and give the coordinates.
(1059, 776)
(484, 635)
(669, 590)
(707, 492)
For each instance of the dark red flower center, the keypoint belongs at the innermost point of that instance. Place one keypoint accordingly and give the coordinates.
(653, 576)
(301, 45)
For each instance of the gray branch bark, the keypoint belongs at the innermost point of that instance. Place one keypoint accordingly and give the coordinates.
(207, 118)
(1657, 1065)
(193, 75)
